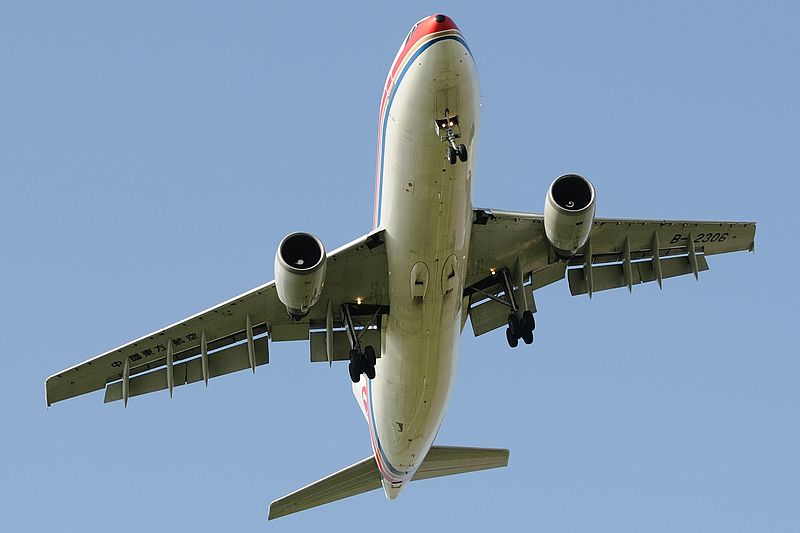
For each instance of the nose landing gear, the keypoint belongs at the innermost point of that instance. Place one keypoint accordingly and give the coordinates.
(445, 129)
(454, 152)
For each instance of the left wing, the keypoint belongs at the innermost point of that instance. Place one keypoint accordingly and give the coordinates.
(234, 335)
(619, 253)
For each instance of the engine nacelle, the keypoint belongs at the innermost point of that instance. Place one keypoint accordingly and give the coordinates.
(299, 272)
(569, 213)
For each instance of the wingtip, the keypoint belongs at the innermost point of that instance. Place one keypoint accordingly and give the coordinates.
(271, 514)
(47, 390)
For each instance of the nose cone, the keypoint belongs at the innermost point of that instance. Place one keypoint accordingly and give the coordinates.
(431, 24)
(440, 22)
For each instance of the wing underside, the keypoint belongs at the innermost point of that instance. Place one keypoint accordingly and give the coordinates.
(235, 335)
(619, 253)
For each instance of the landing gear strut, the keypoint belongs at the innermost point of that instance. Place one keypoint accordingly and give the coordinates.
(445, 129)
(520, 323)
(362, 361)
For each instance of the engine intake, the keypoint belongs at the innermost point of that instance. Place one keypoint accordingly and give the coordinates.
(568, 213)
(299, 272)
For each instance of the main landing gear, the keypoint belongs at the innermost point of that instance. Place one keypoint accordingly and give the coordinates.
(445, 130)
(520, 328)
(520, 324)
(362, 361)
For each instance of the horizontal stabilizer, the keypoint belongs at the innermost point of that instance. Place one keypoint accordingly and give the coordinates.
(356, 479)
(364, 477)
(449, 460)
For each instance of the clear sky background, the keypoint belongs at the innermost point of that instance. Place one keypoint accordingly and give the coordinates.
(153, 154)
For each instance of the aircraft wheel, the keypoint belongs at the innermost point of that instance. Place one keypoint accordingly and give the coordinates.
(357, 360)
(462, 153)
(370, 371)
(528, 322)
(513, 340)
(355, 375)
(369, 352)
(527, 336)
(515, 326)
(451, 155)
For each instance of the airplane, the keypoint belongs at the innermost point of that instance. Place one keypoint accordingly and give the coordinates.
(394, 302)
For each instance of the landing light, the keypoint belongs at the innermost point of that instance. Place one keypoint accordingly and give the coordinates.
(359, 300)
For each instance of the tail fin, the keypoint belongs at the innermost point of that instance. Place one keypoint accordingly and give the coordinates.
(364, 477)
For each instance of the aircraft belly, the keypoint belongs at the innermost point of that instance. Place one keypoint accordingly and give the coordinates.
(410, 396)
(426, 213)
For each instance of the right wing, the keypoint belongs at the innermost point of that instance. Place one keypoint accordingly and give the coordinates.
(619, 253)
(233, 335)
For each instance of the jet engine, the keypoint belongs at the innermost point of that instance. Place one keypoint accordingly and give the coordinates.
(299, 272)
(568, 213)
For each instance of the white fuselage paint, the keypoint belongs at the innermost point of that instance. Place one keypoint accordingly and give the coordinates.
(426, 212)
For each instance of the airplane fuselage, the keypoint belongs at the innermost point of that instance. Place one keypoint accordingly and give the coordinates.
(411, 273)
(423, 202)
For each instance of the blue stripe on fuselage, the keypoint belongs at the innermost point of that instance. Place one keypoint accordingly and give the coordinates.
(392, 470)
(384, 121)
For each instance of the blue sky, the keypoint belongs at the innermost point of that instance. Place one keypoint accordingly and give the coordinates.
(153, 154)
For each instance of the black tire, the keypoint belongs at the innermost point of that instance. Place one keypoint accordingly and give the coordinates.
(355, 357)
(369, 352)
(512, 339)
(527, 336)
(355, 375)
(515, 325)
(528, 322)
(367, 367)
(357, 361)
(462, 153)
(451, 155)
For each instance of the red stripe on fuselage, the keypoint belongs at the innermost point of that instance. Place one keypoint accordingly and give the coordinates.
(424, 27)
(373, 438)
(421, 29)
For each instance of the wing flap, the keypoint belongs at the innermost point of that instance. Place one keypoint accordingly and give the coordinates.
(487, 316)
(613, 276)
(341, 344)
(609, 236)
(220, 363)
